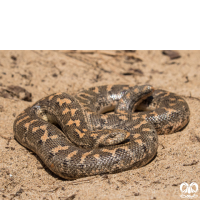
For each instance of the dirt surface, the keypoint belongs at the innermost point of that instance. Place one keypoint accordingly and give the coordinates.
(40, 73)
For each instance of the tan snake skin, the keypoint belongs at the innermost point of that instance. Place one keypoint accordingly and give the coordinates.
(74, 138)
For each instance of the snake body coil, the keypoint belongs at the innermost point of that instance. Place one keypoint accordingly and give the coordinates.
(74, 138)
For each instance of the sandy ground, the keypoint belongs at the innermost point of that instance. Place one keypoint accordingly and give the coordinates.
(22, 174)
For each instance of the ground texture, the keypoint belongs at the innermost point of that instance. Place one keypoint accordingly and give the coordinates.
(40, 73)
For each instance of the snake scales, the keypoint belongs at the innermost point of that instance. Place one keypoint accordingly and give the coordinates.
(92, 142)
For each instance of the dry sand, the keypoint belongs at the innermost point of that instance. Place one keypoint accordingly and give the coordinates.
(22, 174)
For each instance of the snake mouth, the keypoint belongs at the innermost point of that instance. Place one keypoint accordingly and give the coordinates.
(146, 105)
(144, 102)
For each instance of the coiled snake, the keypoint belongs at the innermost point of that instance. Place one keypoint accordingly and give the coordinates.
(74, 136)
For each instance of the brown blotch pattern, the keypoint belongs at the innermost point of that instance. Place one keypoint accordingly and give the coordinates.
(136, 135)
(140, 124)
(70, 122)
(110, 151)
(59, 148)
(62, 101)
(136, 90)
(96, 90)
(45, 136)
(146, 129)
(23, 119)
(70, 155)
(84, 156)
(80, 133)
(65, 111)
(54, 137)
(109, 88)
(29, 123)
(139, 141)
(96, 156)
(73, 111)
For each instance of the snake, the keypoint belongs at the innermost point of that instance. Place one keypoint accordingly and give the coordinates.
(100, 130)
